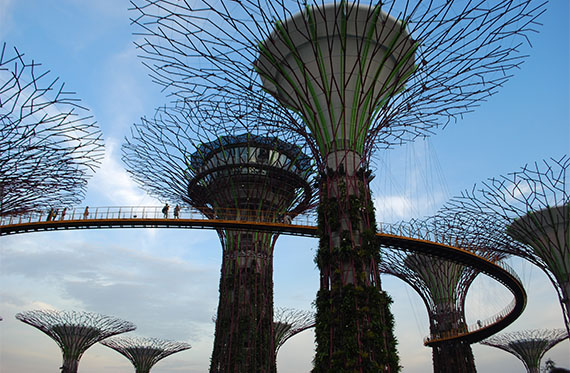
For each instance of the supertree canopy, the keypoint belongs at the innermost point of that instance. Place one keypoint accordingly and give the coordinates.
(144, 353)
(527, 213)
(49, 144)
(289, 322)
(232, 175)
(442, 284)
(528, 345)
(74, 332)
(349, 78)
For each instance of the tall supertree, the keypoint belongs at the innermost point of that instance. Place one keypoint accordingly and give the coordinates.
(74, 332)
(528, 213)
(528, 345)
(290, 322)
(442, 284)
(144, 353)
(232, 175)
(349, 78)
(49, 144)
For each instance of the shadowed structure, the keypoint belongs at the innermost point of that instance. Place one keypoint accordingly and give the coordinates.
(527, 213)
(349, 78)
(144, 353)
(528, 345)
(442, 285)
(234, 175)
(74, 332)
(49, 144)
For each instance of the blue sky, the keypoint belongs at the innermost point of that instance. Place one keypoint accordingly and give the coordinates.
(166, 281)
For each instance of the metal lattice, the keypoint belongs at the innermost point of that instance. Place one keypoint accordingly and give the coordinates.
(49, 144)
(528, 345)
(144, 353)
(525, 213)
(74, 332)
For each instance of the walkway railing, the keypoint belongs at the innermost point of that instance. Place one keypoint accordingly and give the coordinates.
(409, 239)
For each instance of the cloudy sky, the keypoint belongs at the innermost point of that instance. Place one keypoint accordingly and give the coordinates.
(166, 281)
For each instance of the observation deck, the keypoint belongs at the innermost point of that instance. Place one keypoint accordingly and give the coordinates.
(395, 237)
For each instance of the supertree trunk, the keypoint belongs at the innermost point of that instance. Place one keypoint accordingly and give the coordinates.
(353, 322)
(454, 356)
(244, 339)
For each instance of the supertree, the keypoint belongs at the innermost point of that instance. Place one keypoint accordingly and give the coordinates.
(528, 345)
(144, 353)
(74, 332)
(232, 174)
(49, 144)
(290, 322)
(527, 213)
(442, 284)
(349, 78)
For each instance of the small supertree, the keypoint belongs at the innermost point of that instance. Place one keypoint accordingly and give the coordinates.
(442, 284)
(527, 213)
(228, 172)
(144, 353)
(349, 77)
(49, 144)
(74, 332)
(528, 345)
(289, 322)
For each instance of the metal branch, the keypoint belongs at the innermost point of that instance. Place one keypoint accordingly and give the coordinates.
(49, 145)
(528, 345)
(144, 353)
(74, 332)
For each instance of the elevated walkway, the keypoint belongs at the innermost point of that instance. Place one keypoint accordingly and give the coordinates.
(389, 236)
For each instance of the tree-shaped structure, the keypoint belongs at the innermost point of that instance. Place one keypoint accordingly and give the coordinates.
(442, 284)
(144, 353)
(528, 345)
(532, 207)
(74, 332)
(289, 322)
(350, 78)
(236, 176)
(48, 143)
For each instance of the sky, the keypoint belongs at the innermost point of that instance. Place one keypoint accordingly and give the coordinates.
(166, 281)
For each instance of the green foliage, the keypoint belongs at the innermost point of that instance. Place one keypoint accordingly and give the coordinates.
(354, 326)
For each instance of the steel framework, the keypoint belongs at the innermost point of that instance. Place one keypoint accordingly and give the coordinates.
(74, 332)
(349, 78)
(144, 353)
(49, 145)
(442, 284)
(528, 345)
(527, 213)
(290, 322)
(228, 173)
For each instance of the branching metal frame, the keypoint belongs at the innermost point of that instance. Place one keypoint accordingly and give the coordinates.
(526, 213)
(144, 353)
(442, 285)
(74, 332)
(348, 78)
(528, 345)
(289, 322)
(49, 144)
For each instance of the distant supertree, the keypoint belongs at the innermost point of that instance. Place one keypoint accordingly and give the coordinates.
(234, 174)
(528, 345)
(74, 332)
(349, 78)
(528, 214)
(289, 322)
(442, 284)
(48, 143)
(144, 353)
